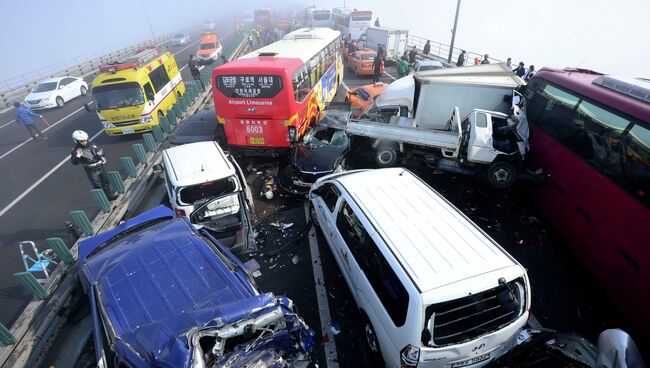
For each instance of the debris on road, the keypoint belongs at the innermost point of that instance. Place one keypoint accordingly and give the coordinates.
(282, 225)
(295, 259)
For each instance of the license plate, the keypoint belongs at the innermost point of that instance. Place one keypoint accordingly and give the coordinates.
(471, 361)
(128, 131)
(257, 140)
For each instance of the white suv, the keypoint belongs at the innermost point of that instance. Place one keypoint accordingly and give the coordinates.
(206, 185)
(435, 290)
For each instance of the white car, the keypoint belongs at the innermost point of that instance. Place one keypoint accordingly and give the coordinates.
(208, 25)
(55, 92)
(181, 39)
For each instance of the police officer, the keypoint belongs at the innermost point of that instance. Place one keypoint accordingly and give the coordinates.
(92, 159)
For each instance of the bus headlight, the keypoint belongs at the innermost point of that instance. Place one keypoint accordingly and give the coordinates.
(107, 125)
(292, 134)
(146, 119)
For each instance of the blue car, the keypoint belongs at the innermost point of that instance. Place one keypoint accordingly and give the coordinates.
(167, 295)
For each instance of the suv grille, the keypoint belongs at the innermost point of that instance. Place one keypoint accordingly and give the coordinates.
(475, 315)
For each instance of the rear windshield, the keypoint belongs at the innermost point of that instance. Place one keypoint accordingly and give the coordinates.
(208, 46)
(44, 87)
(321, 16)
(249, 86)
(118, 95)
(194, 193)
(463, 319)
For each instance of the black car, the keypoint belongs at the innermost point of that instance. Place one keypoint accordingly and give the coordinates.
(321, 151)
(202, 126)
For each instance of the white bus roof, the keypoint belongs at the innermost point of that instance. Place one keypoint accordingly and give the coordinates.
(432, 240)
(197, 163)
(303, 44)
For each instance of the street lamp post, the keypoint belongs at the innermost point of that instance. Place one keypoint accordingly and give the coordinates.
(453, 33)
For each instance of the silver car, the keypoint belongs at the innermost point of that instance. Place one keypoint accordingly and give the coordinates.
(180, 39)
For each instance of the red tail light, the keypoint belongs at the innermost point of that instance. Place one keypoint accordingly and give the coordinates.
(180, 212)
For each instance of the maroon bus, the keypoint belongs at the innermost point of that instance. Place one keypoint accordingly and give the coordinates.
(591, 134)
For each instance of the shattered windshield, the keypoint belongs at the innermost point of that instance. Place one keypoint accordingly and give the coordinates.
(324, 136)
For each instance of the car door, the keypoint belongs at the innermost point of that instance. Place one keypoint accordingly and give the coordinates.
(68, 91)
(480, 138)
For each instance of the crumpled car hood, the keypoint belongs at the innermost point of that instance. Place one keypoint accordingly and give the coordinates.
(316, 159)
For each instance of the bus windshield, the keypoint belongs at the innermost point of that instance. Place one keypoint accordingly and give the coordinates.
(119, 95)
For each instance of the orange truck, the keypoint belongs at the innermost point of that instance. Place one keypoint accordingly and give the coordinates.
(209, 49)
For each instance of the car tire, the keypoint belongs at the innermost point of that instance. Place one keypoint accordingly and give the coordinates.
(83, 90)
(59, 101)
(386, 156)
(502, 175)
(371, 340)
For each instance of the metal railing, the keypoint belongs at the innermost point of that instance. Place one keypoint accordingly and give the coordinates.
(16, 88)
(441, 51)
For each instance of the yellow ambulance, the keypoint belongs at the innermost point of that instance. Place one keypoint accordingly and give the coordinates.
(132, 94)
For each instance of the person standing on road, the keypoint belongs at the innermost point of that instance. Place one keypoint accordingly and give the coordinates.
(381, 52)
(427, 48)
(403, 67)
(194, 69)
(486, 59)
(412, 54)
(461, 59)
(376, 68)
(92, 159)
(26, 116)
(377, 23)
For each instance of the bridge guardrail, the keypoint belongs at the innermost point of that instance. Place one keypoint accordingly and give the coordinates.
(441, 51)
(40, 323)
(15, 89)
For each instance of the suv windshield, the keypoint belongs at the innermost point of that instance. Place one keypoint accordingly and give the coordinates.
(114, 96)
(208, 46)
(194, 193)
(368, 56)
(44, 87)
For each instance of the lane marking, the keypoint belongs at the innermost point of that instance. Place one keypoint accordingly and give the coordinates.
(331, 357)
(388, 74)
(39, 181)
(4, 125)
(67, 116)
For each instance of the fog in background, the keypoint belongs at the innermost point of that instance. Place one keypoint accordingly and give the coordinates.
(605, 35)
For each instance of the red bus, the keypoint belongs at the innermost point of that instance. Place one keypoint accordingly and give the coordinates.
(267, 98)
(591, 134)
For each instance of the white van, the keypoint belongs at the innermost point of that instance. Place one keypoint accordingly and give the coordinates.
(206, 185)
(434, 289)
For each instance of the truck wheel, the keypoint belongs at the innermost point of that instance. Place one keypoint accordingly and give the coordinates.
(502, 175)
(386, 156)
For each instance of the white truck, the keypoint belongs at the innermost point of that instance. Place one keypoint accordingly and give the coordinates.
(393, 40)
(410, 119)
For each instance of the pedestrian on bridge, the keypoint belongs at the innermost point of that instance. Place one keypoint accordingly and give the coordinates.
(377, 23)
(194, 69)
(26, 116)
(412, 54)
(521, 70)
(486, 59)
(92, 159)
(461, 58)
(427, 48)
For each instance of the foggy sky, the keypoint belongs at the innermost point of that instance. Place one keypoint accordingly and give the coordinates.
(605, 35)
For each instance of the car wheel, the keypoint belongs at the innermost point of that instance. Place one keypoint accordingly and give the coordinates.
(502, 175)
(59, 101)
(347, 100)
(386, 156)
(83, 90)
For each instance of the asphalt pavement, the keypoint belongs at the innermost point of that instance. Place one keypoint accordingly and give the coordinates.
(39, 185)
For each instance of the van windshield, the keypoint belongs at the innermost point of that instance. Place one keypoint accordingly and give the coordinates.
(118, 95)
(195, 193)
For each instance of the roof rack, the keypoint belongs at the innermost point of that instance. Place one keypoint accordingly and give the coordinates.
(636, 88)
(140, 58)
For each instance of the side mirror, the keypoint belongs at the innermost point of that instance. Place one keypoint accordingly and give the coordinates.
(89, 106)
(157, 168)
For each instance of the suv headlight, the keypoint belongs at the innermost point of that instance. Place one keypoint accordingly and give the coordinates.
(146, 119)
(107, 125)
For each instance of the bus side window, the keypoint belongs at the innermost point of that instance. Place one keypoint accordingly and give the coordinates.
(637, 161)
(148, 91)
